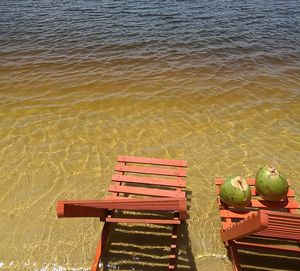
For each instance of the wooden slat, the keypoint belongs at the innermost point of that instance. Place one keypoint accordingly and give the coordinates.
(252, 224)
(286, 228)
(151, 204)
(146, 191)
(274, 214)
(290, 224)
(259, 223)
(232, 214)
(234, 258)
(142, 221)
(287, 236)
(118, 183)
(149, 180)
(256, 245)
(173, 246)
(100, 247)
(152, 170)
(290, 194)
(250, 181)
(66, 209)
(287, 204)
(152, 161)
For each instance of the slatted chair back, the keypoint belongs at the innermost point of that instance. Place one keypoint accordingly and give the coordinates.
(265, 223)
(140, 177)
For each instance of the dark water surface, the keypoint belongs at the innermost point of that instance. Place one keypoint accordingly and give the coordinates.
(214, 82)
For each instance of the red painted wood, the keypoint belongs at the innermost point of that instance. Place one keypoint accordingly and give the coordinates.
(142, 220)
(278, 235)
(281, 224)
(293, 226)
(250, 181)
(234, 258)
(149, 180)
(232, 214)
(255, 246)
(146, 191)
(284, 215)
(287, 204)
(290, 194)
(152, 170)
(251, 224)
(65, 209)
(100, 247)
(118, 183)
(166, 200)
(100, 206)
(173, 246)
(260, 223)
(153, 161)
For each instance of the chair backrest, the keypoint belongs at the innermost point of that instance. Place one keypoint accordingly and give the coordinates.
(273, 224)
(132, 172)
(280, 225)
(140, 177)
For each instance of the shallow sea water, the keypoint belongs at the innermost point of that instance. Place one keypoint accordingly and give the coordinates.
(81, 82)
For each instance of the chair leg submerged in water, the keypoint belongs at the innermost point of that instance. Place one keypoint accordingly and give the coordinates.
(162, 185)
(262, 222)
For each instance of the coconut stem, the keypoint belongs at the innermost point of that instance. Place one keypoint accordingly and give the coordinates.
(273, 165)
(240, 181)
(241, 184)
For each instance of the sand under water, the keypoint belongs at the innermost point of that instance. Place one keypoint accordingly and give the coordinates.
(82, 82)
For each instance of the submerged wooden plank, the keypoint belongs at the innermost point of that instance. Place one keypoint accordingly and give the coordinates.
(100, 247)
(255, 246)
(153, 161)
(287, 236)
(149, 180)
(142, 221)
(146, 191)
(152, 170)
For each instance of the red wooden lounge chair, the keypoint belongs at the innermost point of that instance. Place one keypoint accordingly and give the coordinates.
(160, 187)
(259, 224)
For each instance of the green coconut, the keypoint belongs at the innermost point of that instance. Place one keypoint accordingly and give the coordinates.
(270, 185)
(235, 192)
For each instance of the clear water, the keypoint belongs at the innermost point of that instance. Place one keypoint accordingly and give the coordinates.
(214, 82)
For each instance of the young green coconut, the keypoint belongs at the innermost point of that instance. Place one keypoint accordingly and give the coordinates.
(270, 185)
(235, 192)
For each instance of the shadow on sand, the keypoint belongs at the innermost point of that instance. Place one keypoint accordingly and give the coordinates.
(146, 247)
(261, 259)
